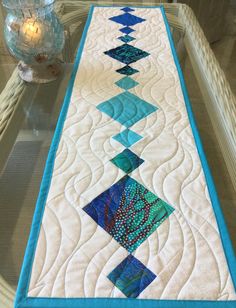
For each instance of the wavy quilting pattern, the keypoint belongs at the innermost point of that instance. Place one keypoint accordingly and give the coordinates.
(74, 255)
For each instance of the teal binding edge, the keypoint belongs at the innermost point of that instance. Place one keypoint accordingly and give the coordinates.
(22, 301)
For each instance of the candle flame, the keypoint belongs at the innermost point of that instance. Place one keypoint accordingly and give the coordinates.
(32, 31)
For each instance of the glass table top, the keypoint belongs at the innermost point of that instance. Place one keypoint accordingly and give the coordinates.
(21, 177)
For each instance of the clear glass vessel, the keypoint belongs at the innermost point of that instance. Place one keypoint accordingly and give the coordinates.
(33, 32)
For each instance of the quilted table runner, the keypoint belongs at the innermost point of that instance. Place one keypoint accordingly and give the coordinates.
(127, 214)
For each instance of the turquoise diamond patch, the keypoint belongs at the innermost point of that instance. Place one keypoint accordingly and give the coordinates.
(127, 137)
(126, 108)
(126, 83)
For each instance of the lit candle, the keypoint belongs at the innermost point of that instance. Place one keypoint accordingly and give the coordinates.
(31, 31)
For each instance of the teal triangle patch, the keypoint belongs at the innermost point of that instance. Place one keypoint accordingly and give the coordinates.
(127, 137)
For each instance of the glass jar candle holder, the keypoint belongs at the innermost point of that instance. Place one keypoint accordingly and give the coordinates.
(35, 36)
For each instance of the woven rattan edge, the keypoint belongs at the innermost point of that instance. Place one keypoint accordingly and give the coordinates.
(10, 115)
(218, 96)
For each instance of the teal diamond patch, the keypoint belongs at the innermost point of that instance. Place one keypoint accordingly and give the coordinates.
(126, 108)
(127, 161)
(126, 38)
(127, 137)
(126, 83)
(123, 277)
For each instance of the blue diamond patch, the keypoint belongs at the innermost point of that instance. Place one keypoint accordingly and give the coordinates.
(127, 19)
(126, 53)
(127, 30)
(129, 212)
(126, 108)
(131, 277)
(127, 137)
(126, 83)
(127, 70)
(127, 9)
(126, 38)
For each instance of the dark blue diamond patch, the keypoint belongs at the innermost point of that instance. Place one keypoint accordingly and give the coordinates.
(127, 70)
(127, 9)
(126, 53)
(127, 30)
(127, 19)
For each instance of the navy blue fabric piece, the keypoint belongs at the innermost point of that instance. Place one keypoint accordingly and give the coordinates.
(127, 9)
(127, 30)
(131, 276)
(98, 210)
(126, 53)
(127, 19)
(127, 70)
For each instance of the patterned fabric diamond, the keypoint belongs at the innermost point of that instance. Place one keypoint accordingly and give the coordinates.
(126, 108)
(126, 83)
(127, 161)
(127, 19)
(126, 38)
(131, 277)
(127, 137)
(126, 53)
(127, 70)
(127, 9)
(129, 212)
(127, 30)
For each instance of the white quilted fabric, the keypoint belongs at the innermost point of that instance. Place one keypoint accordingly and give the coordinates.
(74, 255)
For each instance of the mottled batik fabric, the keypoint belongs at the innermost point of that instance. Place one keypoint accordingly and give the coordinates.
(131, 276)
(129, 212)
